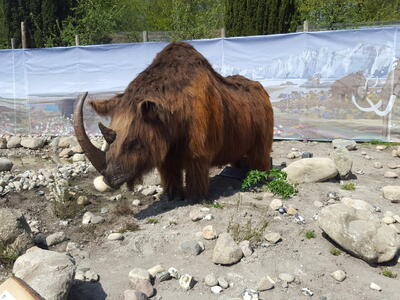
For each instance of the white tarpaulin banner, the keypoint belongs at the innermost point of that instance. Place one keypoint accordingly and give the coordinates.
(323, 85)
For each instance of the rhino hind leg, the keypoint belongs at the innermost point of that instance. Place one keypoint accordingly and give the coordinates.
(171, 174)
(197, 180)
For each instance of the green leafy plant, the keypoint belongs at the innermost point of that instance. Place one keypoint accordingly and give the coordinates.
(348, 186)
(215, 204)
(275, 182)
(309, 234)
(388, 273)
(335, 252)
(173, 223)
(152, 221)
(378, 142)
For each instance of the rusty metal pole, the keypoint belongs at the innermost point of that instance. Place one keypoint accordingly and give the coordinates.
(23, 36)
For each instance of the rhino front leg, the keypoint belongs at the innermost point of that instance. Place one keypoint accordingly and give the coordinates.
(197, 180)
(172, 179)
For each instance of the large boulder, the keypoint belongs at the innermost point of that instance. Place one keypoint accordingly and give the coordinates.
(14, 142)
(344, 163)
(359, 232)
(311, 170)
(32, 143)
(226, 251)
(49, 273)
(15, 234)
(5, 164)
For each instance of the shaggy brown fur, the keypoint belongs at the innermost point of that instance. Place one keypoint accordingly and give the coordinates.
(180, 115)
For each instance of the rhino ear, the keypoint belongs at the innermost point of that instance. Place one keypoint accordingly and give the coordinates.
(106, 107)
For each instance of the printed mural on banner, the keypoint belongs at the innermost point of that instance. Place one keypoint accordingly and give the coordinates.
(323, 85)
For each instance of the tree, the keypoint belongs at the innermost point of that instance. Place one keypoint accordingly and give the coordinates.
(254, 17)
(93, 21)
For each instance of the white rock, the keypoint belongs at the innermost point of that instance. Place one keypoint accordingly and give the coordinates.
(311, 170)
(342, 158)
(186, 282)
(196, 215)
(381, 147)
(276, 204)
(339, 275)
(100, 185)
(151, 190)
(48, 273)
(115, 236)
(375, 287)
(396, 218)
(91, 276)
(55, 238)
(156, 269)
(78, 157)
(378, 165)
(286, 277)
(273, 237)
(246, 248)
(390, 174)
(265, 284)
(388, 220)
(87, 217)
(209, 233)
(136, 202)
(174, 273)
(211, 280)
(392, 193)
(216, 289)
(222, 282)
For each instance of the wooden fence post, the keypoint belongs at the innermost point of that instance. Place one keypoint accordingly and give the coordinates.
(305, 26)
(77, 40)
(222, 32)
(23, 35)
(145, 36)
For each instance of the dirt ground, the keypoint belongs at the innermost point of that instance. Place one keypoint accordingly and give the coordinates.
(309, 260)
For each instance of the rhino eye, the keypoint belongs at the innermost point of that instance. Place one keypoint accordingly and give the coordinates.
(135, 146)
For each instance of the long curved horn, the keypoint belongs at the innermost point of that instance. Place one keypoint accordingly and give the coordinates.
(95, 155)
(108, 133)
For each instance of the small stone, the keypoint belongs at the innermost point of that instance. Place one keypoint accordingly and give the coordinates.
(55, 238)
(393, 166)
(97, 220)
(100, 185)
(196, 215)
(307, 155)
(375, 287)
(265, 284)
(66, 153)
(291, 211)
(307, 292)
(273, 237)
(163, 276)
(388, 220)
(91, 276)
(156, 269)
(390, 174)
(115, 237)
(209, 233)
(82, 200)
(210, 280)
(381, 147)
(80, 275)
(136, 202)
(134, 295)
(174, 273)
(246, 248)
(5, 164)
(396, 218)
(191, 247)
(139, 273)
(349, 144)
(275, 204)
(222, 282)
(392, 193)
(318, 204)
(78, 157)
(299, 219)
(282, 210)
(378, 165)
(208, 217)
(291, 155)
(104, 210)
(216, 289)
(339, 275)
(151, 190)
(186, 282)
(286, 277)
(250, 294)
(363, 153)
